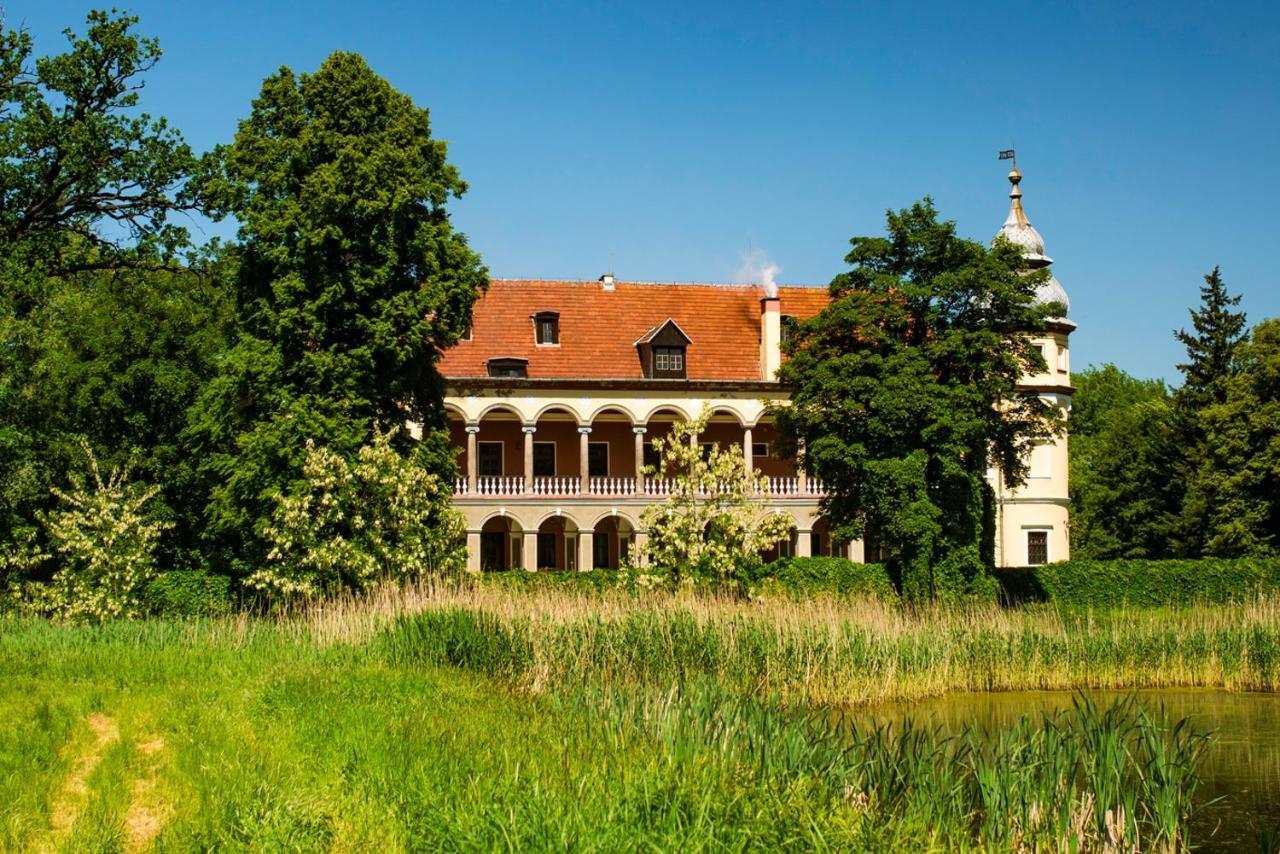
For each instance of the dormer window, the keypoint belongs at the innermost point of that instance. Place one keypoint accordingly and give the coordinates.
(546, 328)
(662, 351)
(668, 362)
(508, 367)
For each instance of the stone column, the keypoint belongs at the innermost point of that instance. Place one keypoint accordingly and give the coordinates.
(529, 551)
(804, 543)
(473, 464)
(802, 479)
(747, 454)
(856, 551)
(586, 539)
(528, 457)
(473, 551)
(584, 434)
(639, 431)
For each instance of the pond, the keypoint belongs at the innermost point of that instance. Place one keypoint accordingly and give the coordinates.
(1240, 787)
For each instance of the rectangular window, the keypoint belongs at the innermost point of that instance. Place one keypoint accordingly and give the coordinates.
(544, 459)
(668, 362)
(508, 367)
(1041, 457)
(546, 551)
(759, 450)
(546, 327)
(598, 459)
(815, 544)
(1062, 360)
(1037, 548)
(489, 459)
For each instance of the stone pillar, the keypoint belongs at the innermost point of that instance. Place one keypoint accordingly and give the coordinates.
(584, 434)
(586, 539)
(529, 551)
(856, 551)
(639, 543)
(747, 454)
(804, 543)
(802, 479)
(473, 464)
(473, 551)
(639, 431)
(528, 457)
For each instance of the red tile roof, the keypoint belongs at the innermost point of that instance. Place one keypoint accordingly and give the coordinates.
(599, 328)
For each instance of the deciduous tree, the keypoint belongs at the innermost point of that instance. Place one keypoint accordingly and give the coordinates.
(905, 388)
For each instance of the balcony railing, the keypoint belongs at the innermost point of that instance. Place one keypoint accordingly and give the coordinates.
(557, 486)
(654, 487)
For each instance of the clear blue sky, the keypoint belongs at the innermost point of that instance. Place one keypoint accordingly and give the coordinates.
(674, 138)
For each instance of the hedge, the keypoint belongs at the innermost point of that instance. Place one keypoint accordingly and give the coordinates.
(1140, 583)
(826, 575)
(188, 593)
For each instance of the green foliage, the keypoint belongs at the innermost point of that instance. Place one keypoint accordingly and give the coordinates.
(381, 517)
(1124, 445)
(351, 282)
(1211, 348)
(805, 576)
(104, 547)
(1142, 583)
(188, 593)
(86, 181)
(712, 524)
(1236, 486)
(905, 387)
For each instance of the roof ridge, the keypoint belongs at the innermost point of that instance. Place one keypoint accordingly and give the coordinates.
(742, 285)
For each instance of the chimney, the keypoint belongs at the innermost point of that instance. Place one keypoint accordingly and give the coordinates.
(606, 281)
(770, 335)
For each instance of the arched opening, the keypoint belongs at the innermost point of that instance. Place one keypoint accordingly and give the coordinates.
(500, 544)
(783, 548)
(553, 448)
(658, 426)
(612, 453)
(612, 542)
(555, 547)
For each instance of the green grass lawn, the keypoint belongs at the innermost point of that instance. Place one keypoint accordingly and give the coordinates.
(482, 721)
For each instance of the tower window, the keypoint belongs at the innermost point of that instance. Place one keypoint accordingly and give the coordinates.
(1037, 548)
(546, 328)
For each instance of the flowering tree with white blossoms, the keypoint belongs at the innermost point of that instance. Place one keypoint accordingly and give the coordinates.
(382, 516)
(106, 543)
(713, 522)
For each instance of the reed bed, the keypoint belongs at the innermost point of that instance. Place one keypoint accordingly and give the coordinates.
(824, 651)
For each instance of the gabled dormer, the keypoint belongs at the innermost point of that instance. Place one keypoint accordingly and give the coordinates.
(663, 351)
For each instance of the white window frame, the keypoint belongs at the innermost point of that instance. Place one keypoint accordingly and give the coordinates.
(1026, 543)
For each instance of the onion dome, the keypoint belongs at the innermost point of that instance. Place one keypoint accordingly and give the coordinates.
(1017, 230)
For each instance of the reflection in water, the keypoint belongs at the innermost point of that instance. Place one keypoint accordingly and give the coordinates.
(1240, 792)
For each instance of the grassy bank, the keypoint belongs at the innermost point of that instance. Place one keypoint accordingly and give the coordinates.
(464, 718)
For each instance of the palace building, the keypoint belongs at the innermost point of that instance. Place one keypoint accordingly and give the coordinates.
(557, 394)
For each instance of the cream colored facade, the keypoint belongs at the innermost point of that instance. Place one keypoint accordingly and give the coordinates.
(582, 510)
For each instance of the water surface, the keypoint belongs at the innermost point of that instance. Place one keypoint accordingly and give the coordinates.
(1240, 788)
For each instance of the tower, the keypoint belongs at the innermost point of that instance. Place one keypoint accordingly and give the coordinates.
(1032, 521)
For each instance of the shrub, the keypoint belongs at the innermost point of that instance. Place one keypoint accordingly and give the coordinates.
(1141, 583)
(106, 543)
(806, 575)
(188, 593)
(382, 516)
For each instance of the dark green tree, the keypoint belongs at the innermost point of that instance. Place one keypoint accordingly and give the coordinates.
(1212, 361)
(1124, 448)
(905, 389)
(104, 331)
(86, 181)
(351, 282)
(1241, 463)
(1211, 346)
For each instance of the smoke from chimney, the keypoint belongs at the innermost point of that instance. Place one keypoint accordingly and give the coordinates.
(757, 266)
